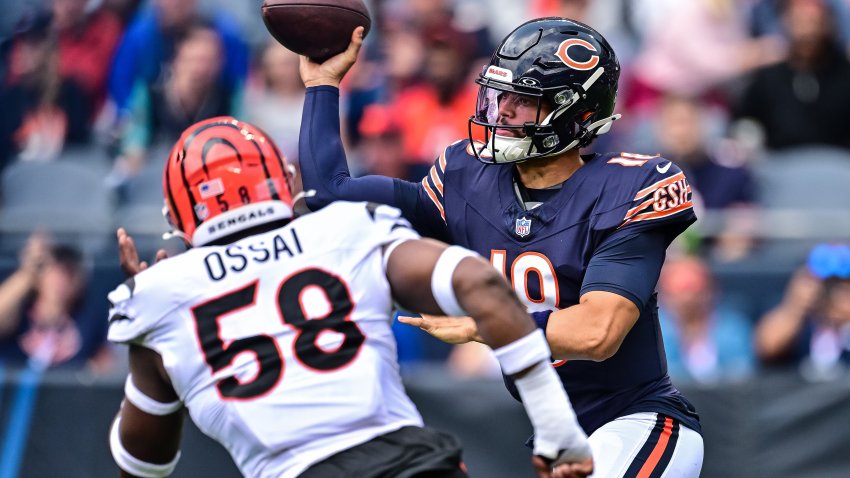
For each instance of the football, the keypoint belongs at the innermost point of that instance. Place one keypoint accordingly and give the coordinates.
(318, 29)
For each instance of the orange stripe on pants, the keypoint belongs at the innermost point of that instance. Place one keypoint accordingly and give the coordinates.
(658, 451)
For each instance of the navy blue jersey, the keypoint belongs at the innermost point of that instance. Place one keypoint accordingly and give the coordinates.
(606, 229)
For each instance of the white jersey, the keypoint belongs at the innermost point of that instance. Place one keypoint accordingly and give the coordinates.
(279, 344)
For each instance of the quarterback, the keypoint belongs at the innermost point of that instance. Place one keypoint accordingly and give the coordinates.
(581, 238)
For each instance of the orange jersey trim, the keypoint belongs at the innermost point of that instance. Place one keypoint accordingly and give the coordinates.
(660, 184)
(627, 161)
(433, 197)
(631, 212)
(659, 214)
(436, 178)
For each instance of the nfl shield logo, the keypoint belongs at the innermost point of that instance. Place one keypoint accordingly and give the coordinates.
(523, 226)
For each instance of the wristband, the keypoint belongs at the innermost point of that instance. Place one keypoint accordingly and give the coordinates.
(523, 353)
(541, 318)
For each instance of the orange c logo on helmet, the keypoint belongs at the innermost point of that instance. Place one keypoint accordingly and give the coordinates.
(564, 54)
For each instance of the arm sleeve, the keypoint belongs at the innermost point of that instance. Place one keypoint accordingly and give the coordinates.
(627, 264)
(322, 157)
(324, 168)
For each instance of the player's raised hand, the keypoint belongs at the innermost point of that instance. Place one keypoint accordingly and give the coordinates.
(128, 256)
(334, 68)
(452, 330)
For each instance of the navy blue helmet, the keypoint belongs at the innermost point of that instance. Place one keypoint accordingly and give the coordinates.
(562, 63)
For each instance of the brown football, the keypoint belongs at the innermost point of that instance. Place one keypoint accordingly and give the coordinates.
(318, 29)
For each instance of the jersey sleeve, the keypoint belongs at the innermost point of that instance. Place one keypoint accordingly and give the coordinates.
(138, 305)
(389, 224)
(627, 263)
(321, 155)
(653, 196)
(663, 201)
(324, 169)
(427, 200)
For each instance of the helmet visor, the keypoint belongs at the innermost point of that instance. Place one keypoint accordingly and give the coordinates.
(513, 113)
(487, 106)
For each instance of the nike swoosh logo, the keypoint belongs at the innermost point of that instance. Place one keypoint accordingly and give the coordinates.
(663, 169)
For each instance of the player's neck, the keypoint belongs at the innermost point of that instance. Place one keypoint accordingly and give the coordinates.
(546, 172)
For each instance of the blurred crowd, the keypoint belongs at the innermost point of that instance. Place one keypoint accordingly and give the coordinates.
(751, 98)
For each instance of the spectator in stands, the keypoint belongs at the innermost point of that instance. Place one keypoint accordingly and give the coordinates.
(276, 97)
(190, 92)
(391, 64)
(42, 112)
(766, 19)
(804, 100)
(440, 103)
(706, 341)
(40, 308)
(692, 48)
(150, 42)
(381, 145)
(811, 325)
(683, 137)
(87, 42)
(124, 9)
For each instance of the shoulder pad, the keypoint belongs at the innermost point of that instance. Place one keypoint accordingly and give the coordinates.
(645, 189)
(663, 195)
(367, 221)
(138, 304)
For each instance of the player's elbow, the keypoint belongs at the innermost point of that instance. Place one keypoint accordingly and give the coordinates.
(317, 201)
(591, 344)
(603, 341)
(602, 349)
(608, 318)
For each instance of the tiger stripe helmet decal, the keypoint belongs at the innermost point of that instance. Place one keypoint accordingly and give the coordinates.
(220, 165)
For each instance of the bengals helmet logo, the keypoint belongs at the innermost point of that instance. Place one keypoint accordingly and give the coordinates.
(563, 54)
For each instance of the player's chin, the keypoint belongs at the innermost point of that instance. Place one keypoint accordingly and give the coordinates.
(510, 133)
